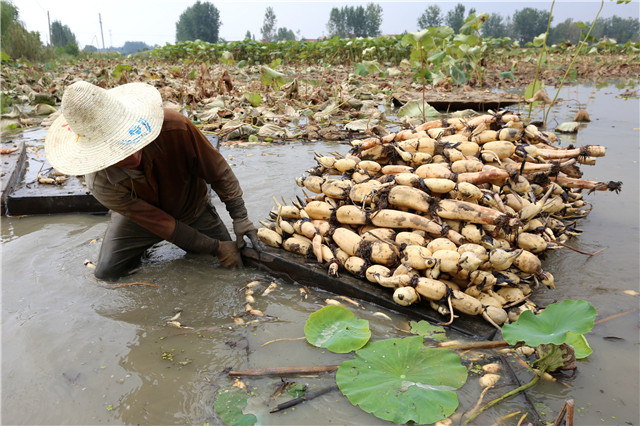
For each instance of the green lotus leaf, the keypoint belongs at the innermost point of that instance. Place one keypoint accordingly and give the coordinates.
(532, 88)
(117, 71)
(539, 40)
(270, 76)
(361, 70)
(436, 58)
(229, 404)
(580, 345)
(424, 329)
(254, 99)
(337, 329)
(226, 58)
(552, 325)
(507, 74)
(413, 38)
(400, 380)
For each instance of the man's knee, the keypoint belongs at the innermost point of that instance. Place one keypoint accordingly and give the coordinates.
(106, 270)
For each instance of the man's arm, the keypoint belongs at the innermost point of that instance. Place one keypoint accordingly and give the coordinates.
(215, 170)
(118, 198)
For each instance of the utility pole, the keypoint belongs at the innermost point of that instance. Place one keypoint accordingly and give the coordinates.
(49, 21)
(101, 33)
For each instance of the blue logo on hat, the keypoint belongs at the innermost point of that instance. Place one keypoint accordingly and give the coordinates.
(136, 132)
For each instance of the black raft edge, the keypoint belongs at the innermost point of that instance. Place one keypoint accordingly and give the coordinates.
(295, 268)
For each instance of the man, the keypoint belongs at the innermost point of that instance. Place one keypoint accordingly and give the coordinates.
(150, 166)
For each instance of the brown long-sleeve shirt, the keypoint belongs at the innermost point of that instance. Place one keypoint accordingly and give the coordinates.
(172, 184)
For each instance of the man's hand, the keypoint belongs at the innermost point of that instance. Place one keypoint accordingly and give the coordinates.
(243, 227)
(229, 255)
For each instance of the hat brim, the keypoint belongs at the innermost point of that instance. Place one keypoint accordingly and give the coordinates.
(118, 134)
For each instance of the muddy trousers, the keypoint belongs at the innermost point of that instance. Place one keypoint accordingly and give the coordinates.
(125, 242)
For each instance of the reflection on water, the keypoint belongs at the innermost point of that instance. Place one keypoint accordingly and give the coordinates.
(74, 351)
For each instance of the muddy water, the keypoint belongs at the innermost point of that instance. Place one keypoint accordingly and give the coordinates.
(75, 352)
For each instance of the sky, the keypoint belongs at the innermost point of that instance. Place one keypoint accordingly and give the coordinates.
(154, 21)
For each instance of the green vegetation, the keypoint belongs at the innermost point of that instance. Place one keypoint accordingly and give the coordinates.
(229, 406)
(528, 23)
(462, 57)
(558, 336)
(401, 380)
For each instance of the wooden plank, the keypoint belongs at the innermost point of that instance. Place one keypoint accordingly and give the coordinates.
(454, 101)
(294, 268)
(12, 170)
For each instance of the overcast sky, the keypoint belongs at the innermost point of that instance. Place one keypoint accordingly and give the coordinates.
(154, 21)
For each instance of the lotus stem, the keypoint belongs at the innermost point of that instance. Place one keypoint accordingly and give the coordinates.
(505, 396)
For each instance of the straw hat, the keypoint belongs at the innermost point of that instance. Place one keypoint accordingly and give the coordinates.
(98, 127)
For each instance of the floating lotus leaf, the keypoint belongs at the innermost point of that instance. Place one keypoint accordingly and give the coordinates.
(400, 380)
(361, 125)
(414, 108)
(271, 130)
(552, 325)
(568, 127)
(424, 329)
(337, 329)
(229, 404)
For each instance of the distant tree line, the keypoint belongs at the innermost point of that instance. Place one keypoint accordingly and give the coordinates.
(528, 23)
(355, 21)
(128, 48)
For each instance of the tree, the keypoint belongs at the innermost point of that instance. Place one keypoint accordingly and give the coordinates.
(61, 35)
(268, 29)
(285, 34)
(494, 27)
(247, 36)
(529, 23)
(455, 17)
(373, 19)
(566, 31)
(90, 48)
(199, 22)
(432, 17)
(17, 42)
(350, 21)
(9, 14)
